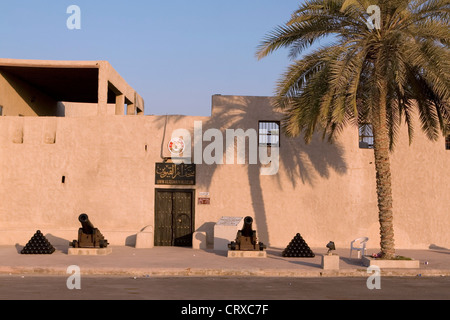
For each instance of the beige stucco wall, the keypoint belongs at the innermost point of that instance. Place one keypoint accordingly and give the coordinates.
(323, 191)
(73, 109)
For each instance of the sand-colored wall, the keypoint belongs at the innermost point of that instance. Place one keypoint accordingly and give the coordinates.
(323, 191)
(73, 110)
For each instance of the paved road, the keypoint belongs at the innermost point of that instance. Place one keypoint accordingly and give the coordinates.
(16, 287)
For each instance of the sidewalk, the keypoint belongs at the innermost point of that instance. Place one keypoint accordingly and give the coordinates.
(173, 261)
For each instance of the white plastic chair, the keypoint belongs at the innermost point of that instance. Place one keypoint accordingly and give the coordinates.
(359, 245)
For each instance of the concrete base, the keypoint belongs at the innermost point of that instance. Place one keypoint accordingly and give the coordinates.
(390, 264)
(330, 262)
(145, 239)
(89, 251)
(246, 254)
(199, 240)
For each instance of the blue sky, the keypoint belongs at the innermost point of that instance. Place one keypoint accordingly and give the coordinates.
(176, 53)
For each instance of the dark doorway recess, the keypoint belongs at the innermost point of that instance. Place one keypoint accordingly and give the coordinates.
(174, 217)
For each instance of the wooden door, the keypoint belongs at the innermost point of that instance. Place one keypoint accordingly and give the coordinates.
(174, 218)
(163, 218)
(182, 219)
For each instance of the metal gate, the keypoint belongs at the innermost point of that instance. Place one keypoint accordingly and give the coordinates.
(174, 217)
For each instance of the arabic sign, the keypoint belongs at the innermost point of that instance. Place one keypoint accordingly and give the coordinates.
(175, 174)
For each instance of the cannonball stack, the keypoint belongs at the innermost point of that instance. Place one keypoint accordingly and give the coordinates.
(298, 248)
(38, 244)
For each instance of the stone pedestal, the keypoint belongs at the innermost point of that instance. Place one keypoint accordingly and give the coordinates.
(199, 240)
(225, 231)
(145, 239)
(330, 262)
(246, 254)
(89, 251)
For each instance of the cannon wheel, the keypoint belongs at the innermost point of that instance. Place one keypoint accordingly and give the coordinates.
(103, 243)
(233, 245)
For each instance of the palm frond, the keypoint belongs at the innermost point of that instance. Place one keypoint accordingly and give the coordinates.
(342, 82)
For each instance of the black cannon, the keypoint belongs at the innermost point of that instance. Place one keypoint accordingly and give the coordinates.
(246, 238)
(88, 235)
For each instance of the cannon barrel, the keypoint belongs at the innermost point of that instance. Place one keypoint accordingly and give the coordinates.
(88, 235)
(246, 238)
(88, 227)
(247, 230)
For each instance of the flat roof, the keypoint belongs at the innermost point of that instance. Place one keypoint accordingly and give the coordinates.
(71, 81)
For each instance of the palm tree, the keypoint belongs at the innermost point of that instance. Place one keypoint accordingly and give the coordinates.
(382, 65)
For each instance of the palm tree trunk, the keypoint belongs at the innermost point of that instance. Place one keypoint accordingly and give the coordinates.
(383, 175)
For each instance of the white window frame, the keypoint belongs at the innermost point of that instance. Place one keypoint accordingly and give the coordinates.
(269, 133)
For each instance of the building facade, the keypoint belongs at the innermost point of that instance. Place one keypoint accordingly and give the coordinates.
(74, 139)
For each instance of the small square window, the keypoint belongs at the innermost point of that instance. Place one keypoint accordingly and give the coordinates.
(269, 133)
(366, 136)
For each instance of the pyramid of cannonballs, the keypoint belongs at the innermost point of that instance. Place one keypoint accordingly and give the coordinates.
(298, 248)
(38, 244)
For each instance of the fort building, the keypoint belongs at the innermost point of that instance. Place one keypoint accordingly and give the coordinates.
(74, 138)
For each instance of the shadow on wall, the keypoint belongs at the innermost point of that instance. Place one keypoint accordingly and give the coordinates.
(130, 241)
(37, 101)
(300, 162)
(58, 243)
(435, 247)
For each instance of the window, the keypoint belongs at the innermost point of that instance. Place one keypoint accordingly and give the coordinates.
(1, 111)
(447, 142)
(366, 136)
(269, 133)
